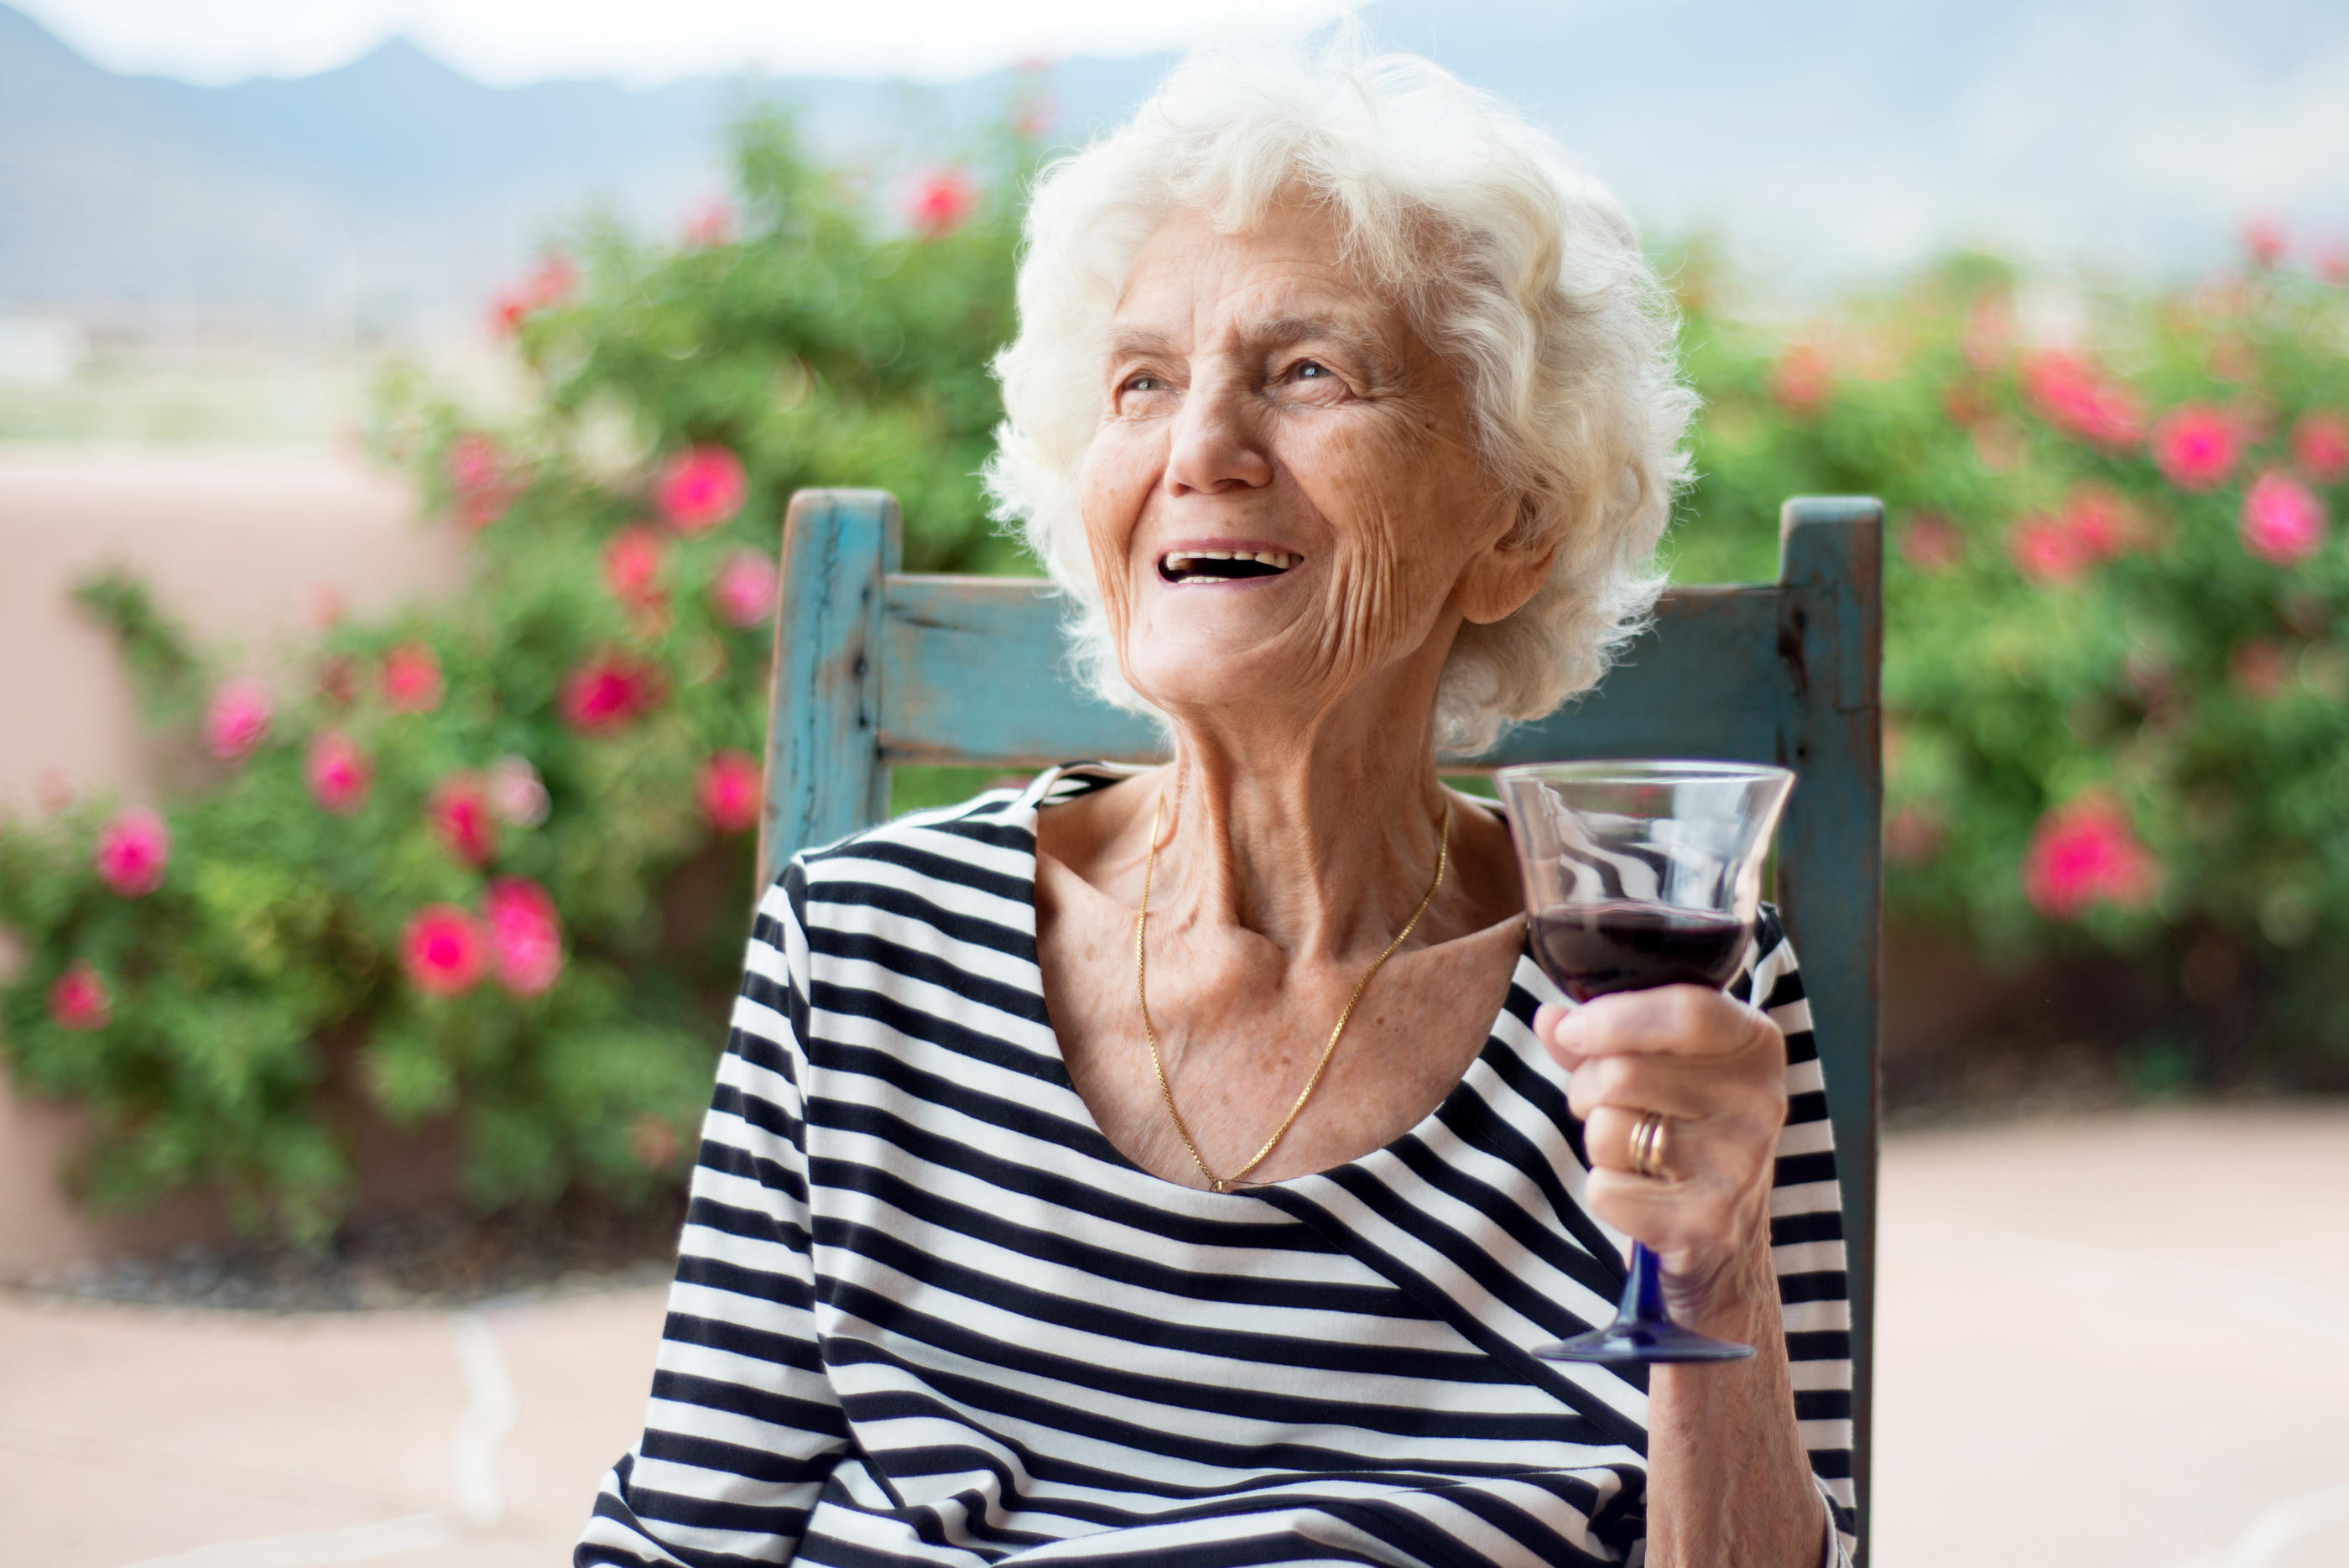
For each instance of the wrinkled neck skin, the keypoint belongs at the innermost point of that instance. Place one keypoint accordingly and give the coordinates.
(1314, 824)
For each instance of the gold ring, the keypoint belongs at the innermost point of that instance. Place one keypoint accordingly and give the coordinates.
(1648, 1146)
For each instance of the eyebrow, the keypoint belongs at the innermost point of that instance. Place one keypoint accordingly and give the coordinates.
(1282, 331)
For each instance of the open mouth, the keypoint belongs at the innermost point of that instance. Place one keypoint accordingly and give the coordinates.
(1224, 566)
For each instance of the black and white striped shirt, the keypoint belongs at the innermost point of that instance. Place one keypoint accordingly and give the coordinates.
(925, 1314)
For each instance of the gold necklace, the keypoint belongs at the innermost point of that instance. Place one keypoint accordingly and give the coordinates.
(1142, 994)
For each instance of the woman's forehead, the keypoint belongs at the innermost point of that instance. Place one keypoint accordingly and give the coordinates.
(1284, 281)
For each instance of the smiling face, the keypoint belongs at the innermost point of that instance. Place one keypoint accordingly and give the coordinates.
(1283, 504)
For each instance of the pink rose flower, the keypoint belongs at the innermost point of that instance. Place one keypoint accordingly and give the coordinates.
(939, 203)
(710, 224)
(338, 772)
(730, 791)
(743, 591)
(632, 563)
(2196, 446)
(507, 310)
(78, 1000)
(459, 811)
(2282, 520)
(699, 488)
(556, 280)
(2047, 551)
(237, 718)
(2319, 445)
(607, 692)
(2084, 852)
(525, 935)
(132, 851)
(411, 677)
(2102, 523)
(444, 951)
(479, 480)
(1801, 379)
(1931, 544)
(2263, 240)
(2072, 394)
(516, 791)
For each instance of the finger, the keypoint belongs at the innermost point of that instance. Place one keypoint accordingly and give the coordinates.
(1671, 1020)
(1689, 1088)
(1610, 1135)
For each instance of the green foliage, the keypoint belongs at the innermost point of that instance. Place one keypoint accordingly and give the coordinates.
(2181, 692)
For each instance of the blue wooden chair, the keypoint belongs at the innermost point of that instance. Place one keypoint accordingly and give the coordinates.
(875, 667)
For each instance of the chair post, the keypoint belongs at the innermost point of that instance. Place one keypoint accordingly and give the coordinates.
(826, 778)
(1831, 558)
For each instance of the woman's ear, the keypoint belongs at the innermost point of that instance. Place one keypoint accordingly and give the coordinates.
(1509, 570)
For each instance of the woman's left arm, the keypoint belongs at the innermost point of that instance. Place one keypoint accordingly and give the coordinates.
(1729, 1478)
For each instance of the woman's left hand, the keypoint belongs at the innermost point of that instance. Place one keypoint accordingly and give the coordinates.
(1716, 1070)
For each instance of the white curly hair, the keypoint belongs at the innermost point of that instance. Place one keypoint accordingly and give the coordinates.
(1505, 255)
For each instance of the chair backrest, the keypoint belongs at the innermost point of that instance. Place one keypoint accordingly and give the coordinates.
(875, 667)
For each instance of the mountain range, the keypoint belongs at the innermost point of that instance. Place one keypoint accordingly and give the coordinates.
(1817, 141)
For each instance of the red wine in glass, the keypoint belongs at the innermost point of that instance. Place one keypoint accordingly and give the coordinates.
(1640, 875)
(1594, 949)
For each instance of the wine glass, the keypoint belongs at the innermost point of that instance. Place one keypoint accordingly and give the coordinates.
(1641, 873)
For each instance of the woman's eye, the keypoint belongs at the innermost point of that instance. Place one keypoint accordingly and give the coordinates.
(1144, 384)
(1312, 371)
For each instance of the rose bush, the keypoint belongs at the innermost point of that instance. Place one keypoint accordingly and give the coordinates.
(487, 861)
(2117, 618)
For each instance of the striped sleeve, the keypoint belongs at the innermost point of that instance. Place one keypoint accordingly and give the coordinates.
(1806, 1240)
(743, 1427)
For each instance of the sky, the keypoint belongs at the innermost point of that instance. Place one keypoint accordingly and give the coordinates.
(642, 42)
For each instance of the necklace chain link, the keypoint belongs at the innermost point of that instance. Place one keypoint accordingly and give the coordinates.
(1141, 995)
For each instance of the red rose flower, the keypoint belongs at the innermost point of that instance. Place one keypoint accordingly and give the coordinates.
(460, 813)
(2196, 446)
(2084, 852)
(2319, 445)
(411, 677)
(632, 561)
(236, 720)
(730, 791)
(701, 487)
(338, 772)
(1800, 380)
(444, 951)
(743, 591)
(2283, 521)
(132, 851)
(607, 692)
(939, 203)
(78, 1000)
(2102, 523)
(525, 935)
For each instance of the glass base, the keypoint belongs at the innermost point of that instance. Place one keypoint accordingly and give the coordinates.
(1620, 1342)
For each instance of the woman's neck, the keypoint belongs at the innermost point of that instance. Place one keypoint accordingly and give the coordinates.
(1320, 843)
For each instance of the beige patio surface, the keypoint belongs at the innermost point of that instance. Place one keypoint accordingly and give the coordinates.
(2117, 1342)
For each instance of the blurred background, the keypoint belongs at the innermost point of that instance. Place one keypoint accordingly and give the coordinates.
(398, 403)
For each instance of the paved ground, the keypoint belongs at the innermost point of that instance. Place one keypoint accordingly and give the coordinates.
(2121, 1343)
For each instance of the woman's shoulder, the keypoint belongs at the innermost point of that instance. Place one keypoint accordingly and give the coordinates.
(987, 841)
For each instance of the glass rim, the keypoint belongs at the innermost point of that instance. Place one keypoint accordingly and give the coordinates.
(1636, 771)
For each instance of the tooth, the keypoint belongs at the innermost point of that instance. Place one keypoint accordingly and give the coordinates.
(1178, 563)
(1215, 555)
(1271, 558)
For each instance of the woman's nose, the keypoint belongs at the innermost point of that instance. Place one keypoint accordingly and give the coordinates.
(1218, 445)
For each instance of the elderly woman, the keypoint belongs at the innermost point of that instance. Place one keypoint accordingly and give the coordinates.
(1177, 1166)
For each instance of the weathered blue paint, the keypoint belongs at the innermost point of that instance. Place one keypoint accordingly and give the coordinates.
(873, 667)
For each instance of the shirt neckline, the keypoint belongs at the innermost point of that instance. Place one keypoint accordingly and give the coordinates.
(1527, 983)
